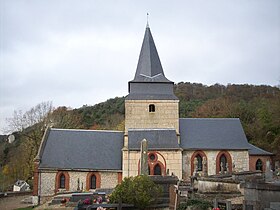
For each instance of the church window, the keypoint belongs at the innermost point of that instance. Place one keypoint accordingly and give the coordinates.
(157, 169)
(259, 165)
(152, 108)
(93, 182)
(152, 157)
(199, 163)
(62, 181)
(223, 162)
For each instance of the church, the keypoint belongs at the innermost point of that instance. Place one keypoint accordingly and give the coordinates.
(71, 159)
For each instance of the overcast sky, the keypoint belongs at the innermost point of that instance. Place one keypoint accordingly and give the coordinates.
(84, 52)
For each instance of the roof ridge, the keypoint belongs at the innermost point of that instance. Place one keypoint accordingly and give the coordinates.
(85, 130)
(211, 118)
(150, 129)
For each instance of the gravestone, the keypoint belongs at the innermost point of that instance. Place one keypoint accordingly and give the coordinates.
(268, 172)
(226, 169)
(222, 168)
(144, 170)
(195, 166)
(204, 167)
(78, 184)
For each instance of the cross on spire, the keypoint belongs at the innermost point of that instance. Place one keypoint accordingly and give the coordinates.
(147, 26)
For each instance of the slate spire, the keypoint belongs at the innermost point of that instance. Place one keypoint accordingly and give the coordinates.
(149, 66)
(149, 82)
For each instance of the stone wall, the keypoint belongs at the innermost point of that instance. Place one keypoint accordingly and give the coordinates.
(109, 179)
(47, 181)
(239, 158)
(137, 114)
(173, 162)
(261, 195)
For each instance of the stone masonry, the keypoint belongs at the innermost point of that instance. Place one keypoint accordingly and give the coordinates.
(108, 180)
(171, 160)
(137, 115)
(239, 158)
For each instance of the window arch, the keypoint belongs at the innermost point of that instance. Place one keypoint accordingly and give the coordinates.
(62, 181)
(199, 155)
(152, 108)
(224, 160)
(156, 164)
(259, 165)
(93, 181)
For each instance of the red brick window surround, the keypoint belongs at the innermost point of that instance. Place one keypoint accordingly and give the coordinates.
(223, 158)
(259, 165)
(62, 181)
(155, 165)
(199, 155)
(93, 181)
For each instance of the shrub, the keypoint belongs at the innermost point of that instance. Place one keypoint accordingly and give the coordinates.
(140, 191)
(197, 203)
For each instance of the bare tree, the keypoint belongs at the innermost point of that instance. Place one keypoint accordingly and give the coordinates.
(30, 127)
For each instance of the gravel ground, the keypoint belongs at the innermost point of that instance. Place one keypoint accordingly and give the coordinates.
(10, 203)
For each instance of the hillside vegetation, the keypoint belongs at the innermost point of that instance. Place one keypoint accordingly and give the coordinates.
(258, 108)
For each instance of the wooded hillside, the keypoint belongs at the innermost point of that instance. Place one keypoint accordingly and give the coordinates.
(258, 108)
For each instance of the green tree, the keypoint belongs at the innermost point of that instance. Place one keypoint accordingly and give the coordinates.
(140, 191)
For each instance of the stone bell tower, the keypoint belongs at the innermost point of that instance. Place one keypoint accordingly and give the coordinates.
(152, 113)
(151, 103)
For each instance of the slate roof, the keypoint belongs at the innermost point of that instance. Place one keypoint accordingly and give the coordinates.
(149, 82)
(161, 139)
(253, 150)
(212, 133)
(151, 91)
(149, 67)
(82, 149)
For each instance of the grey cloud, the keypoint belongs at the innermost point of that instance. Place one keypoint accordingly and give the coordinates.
(82, 52)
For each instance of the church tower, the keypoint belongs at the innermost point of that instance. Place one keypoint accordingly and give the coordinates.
(151, 113)
(151, 103)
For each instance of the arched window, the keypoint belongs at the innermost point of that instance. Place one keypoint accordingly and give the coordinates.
(152, 108)
(259, 165)
(62, 181)
(93, 182)
(223, 162)
(199, 163)
(157, 169)
(149, 170)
